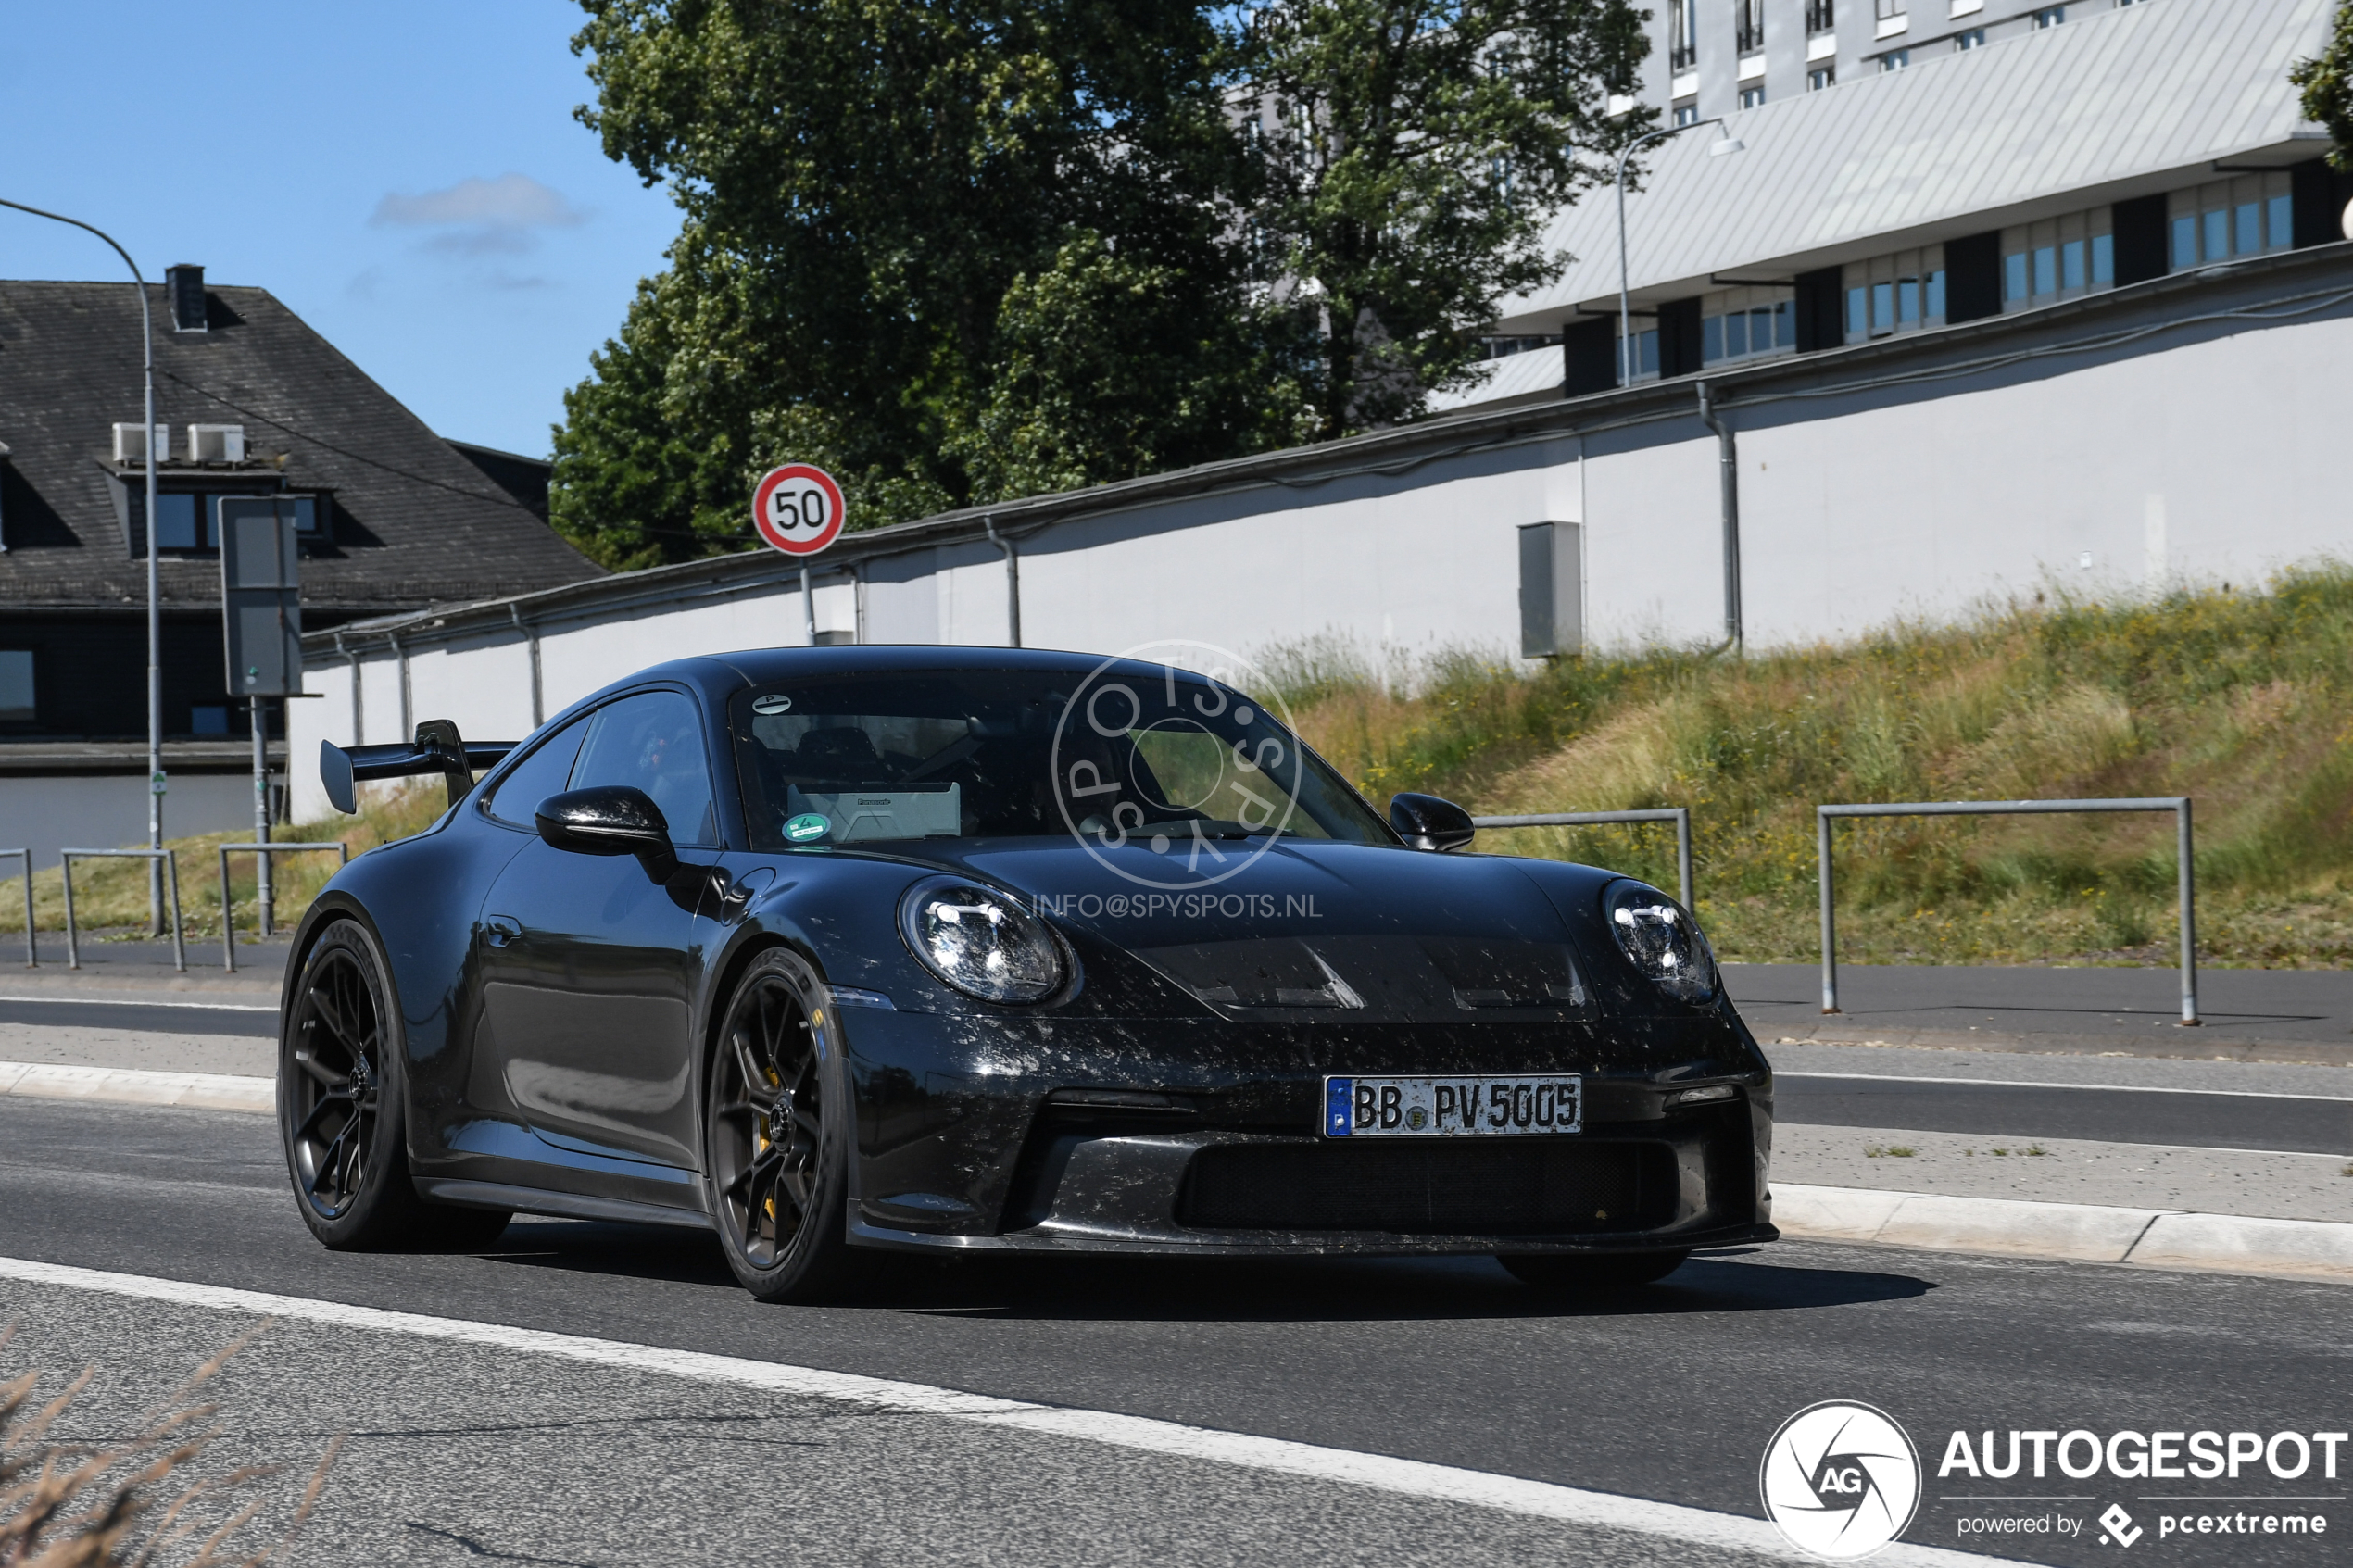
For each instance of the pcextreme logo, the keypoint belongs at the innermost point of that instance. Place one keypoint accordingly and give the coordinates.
(1840, 1479)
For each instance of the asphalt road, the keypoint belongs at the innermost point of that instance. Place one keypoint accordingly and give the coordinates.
(251, 1019)
(462, 1454)
(2183, 1118)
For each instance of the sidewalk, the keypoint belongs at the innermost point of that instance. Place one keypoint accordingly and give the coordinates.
(2285, 1015)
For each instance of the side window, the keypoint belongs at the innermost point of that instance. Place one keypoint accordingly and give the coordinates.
(539, 776)
(653, 741)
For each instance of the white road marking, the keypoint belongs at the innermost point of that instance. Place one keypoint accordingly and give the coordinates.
(1415, 1478)
(127, 1002)
(2038, 1084)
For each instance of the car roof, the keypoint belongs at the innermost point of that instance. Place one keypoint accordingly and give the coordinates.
(720, 674)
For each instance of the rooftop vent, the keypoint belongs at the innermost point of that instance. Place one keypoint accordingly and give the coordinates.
(185, 284)
(130, 448)
(216, 443)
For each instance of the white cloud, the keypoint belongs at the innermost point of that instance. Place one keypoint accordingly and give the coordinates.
(480, 217)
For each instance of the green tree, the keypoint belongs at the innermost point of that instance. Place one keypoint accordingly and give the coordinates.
(2327, 83)
(1414, 151)
(864, 184)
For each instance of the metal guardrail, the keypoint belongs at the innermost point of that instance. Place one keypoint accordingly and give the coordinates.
(1680, 815)
(261, 852)
(2179, 805)
(171, 865)
(32, 953)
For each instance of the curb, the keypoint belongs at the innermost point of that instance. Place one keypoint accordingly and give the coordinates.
(126, 1086)
(2317, 1250)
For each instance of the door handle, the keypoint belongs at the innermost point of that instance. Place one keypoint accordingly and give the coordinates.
(499, 930)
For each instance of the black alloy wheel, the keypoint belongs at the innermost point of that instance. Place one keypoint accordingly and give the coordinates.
(1596, 1273)
(775, 1142)
(341, 1111)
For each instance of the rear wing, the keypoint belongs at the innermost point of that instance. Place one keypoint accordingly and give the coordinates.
(438, 748)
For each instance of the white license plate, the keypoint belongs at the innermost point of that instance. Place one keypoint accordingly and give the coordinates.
(1452, 1106)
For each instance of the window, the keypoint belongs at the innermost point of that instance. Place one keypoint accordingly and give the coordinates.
(1824, 76)
(1903, 293)
(1750, 33)
(653, 742)
(2049, 16)
(547, 770)
(1686, 114)
(1746, 323)
(1752, 97)
(1890, 9)
(2014, 278)
(1682, 49)
(175, 522)
(1895, 59)
(2058, 257)
(16, 687)
(1973, 39)
(1820, 16)
(2242, 217)
(1645, 354)
(2103, 261)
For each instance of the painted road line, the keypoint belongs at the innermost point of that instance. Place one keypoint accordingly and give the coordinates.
(2041, 1083)
(79, 1001)
(1406, 1477)
(130, 1085)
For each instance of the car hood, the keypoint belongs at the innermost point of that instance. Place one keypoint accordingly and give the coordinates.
(1302, 927)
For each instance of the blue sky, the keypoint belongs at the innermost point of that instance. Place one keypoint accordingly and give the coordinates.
(408, 178)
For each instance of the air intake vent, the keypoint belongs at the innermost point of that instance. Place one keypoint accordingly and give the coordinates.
(130, 448)
(216, 443)
(185, 284)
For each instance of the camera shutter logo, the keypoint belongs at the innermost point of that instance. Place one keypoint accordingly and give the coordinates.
(1840, 1479)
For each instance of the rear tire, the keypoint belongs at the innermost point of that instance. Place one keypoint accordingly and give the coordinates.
(1592, 1273)
(342, 1109)
(776, 1137)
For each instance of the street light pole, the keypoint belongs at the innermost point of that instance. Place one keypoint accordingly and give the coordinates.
(1728, 144)
(155, 614)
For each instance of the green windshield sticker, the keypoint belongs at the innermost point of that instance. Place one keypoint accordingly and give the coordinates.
(808, 825)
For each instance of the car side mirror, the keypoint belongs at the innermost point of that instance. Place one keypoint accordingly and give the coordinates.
(609, 820)
(1426, 822)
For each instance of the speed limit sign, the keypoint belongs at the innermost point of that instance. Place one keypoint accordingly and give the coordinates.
(797, 508)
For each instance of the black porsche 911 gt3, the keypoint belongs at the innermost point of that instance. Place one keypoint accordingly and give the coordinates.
(924, 948)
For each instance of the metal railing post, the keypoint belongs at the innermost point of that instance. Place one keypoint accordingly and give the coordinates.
(1680, 815)
(170, 868)
(2184, 845)
(1830, 919)
(1683, 852)
(261, 852)
(32, 953)
(2189, 914)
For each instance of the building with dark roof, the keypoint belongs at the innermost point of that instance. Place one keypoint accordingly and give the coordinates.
(250, 401)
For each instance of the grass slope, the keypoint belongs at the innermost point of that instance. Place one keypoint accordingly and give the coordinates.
(2242, 700)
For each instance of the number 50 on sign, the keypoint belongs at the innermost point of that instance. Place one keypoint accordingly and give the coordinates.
(797, 508)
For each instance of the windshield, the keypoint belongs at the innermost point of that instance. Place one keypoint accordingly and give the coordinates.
(963, 754)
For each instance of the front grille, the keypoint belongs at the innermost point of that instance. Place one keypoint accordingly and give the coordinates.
(1518, 1186)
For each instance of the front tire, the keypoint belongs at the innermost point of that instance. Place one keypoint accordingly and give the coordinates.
(343, 1107)
(1595, 1274)
(776, 1137)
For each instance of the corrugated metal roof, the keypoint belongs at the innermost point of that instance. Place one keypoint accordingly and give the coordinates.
(2116, 96)
(1514, 375)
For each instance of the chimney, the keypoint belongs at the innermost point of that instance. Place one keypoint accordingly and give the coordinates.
(185, 284)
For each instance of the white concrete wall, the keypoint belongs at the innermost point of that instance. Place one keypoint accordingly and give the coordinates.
(2213, 458)
(46, 814)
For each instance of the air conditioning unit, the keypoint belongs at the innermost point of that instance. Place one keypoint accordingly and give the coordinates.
(216, 443)
(129, 447)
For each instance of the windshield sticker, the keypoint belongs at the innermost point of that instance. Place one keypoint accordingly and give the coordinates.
(806, 828)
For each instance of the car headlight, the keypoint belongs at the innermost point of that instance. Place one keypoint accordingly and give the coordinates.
(980, 941)
(1659, 937)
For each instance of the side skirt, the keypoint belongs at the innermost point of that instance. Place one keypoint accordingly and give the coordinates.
(563, 1204)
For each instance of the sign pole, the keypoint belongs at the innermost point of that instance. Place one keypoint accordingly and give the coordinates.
(261, 807)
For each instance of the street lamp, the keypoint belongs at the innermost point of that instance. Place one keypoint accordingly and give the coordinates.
(1728, 142)
(155, 618)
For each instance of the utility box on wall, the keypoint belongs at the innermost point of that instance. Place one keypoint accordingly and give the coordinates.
(1551, 589)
